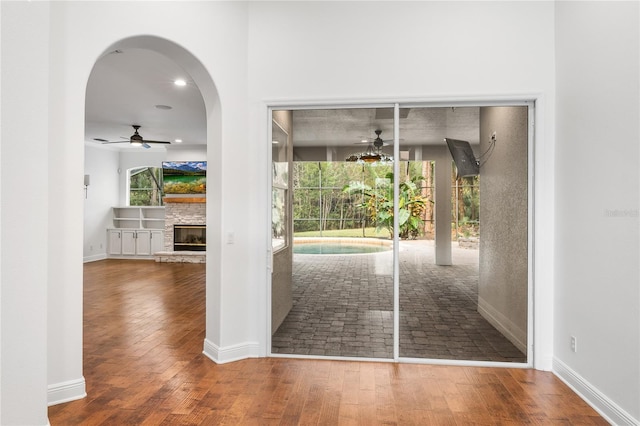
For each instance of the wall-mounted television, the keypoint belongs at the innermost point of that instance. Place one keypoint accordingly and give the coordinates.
(466, 163)
(184, 177)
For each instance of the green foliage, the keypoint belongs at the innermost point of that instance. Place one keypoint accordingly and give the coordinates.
(378, 202)
(143, 190)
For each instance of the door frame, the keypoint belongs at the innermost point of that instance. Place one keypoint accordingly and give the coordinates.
(540, 245)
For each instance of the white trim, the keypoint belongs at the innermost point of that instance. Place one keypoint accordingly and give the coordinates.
(531, 224)
(515, 334)
(94, 258)
(71, 390)
(422, 361)
(396, 232)
(608, 409)
(230, 353)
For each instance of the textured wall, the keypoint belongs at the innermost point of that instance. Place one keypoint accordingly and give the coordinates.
(502, 291)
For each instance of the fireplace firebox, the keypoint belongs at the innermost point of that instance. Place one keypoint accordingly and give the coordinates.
(189, 237)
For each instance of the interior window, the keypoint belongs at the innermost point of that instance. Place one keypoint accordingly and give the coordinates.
(145, 186)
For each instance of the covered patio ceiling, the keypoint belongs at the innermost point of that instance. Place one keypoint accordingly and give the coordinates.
(348, 127)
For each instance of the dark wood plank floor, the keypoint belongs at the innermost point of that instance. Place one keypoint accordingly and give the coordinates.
(143, 363)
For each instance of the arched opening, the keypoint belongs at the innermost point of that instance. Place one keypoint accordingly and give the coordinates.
(207, 150)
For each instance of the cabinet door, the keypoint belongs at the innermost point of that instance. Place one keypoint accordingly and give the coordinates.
(157, 241)
(143, 243)
(115, 242)
(128, 242)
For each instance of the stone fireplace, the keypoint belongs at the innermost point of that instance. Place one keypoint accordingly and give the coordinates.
(189, 213)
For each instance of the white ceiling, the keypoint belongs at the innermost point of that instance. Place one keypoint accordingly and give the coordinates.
(124, 89)
(126, 85)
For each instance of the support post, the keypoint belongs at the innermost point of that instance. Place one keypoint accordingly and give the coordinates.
(443, 211)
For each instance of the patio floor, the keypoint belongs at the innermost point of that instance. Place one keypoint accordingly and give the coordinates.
(343, 306)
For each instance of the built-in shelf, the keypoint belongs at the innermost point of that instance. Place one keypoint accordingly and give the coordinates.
(137, 232)
(138, 217)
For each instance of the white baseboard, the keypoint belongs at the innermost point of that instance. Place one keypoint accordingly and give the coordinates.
(71, 390)
(608, 409)
(504, 325)
(230, 353)
(94, 257)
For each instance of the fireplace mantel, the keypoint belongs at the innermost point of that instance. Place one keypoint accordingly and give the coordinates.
(168, 200)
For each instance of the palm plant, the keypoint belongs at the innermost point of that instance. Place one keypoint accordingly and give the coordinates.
(379, 204)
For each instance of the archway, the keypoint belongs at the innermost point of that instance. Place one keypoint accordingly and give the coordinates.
(204, 83)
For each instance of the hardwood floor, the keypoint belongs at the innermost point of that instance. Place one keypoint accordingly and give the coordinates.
(143, 363)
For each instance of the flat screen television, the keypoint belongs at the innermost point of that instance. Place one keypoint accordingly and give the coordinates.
(184, 177)
(466, 163)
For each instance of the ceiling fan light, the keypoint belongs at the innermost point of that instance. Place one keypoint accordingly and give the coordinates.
(135, 143)
(370, 158)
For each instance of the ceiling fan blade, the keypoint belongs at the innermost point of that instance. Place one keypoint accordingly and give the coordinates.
(146, 145)
(107, 142)
(146, 141)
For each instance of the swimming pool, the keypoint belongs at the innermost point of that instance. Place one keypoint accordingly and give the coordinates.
(340, 246)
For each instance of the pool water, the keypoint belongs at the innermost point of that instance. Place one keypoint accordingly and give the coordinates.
(328, 248)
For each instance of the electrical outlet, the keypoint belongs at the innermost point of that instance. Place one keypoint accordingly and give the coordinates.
(90, 248)
(100, 245)
(574, 344)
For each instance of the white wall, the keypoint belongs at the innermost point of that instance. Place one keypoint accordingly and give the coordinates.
(26, 176)
(102, 167)
(220, 46)
(597, 291)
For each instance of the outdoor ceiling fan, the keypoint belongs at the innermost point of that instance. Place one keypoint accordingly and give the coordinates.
(373, 153)
(377, 142)
(134, 140)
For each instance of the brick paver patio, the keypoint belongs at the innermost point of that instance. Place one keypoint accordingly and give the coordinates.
(343, 306)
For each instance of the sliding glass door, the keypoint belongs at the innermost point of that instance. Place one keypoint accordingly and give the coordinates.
(410, 234)
(342, 257)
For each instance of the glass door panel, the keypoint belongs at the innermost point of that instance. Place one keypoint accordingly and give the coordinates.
(441, 270)
(342, 260)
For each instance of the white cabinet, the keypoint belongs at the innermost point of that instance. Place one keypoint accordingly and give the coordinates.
(114, 237)
(137, 232)
(157, 241)
(135, 242)
(129, 242)
(143, 243)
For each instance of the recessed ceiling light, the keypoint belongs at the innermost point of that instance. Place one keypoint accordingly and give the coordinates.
(178, 140)
(164, 107)
(180, 82)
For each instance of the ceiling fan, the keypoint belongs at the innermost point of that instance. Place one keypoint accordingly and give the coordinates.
(134, 140)
(374, 151)
(377, 142)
